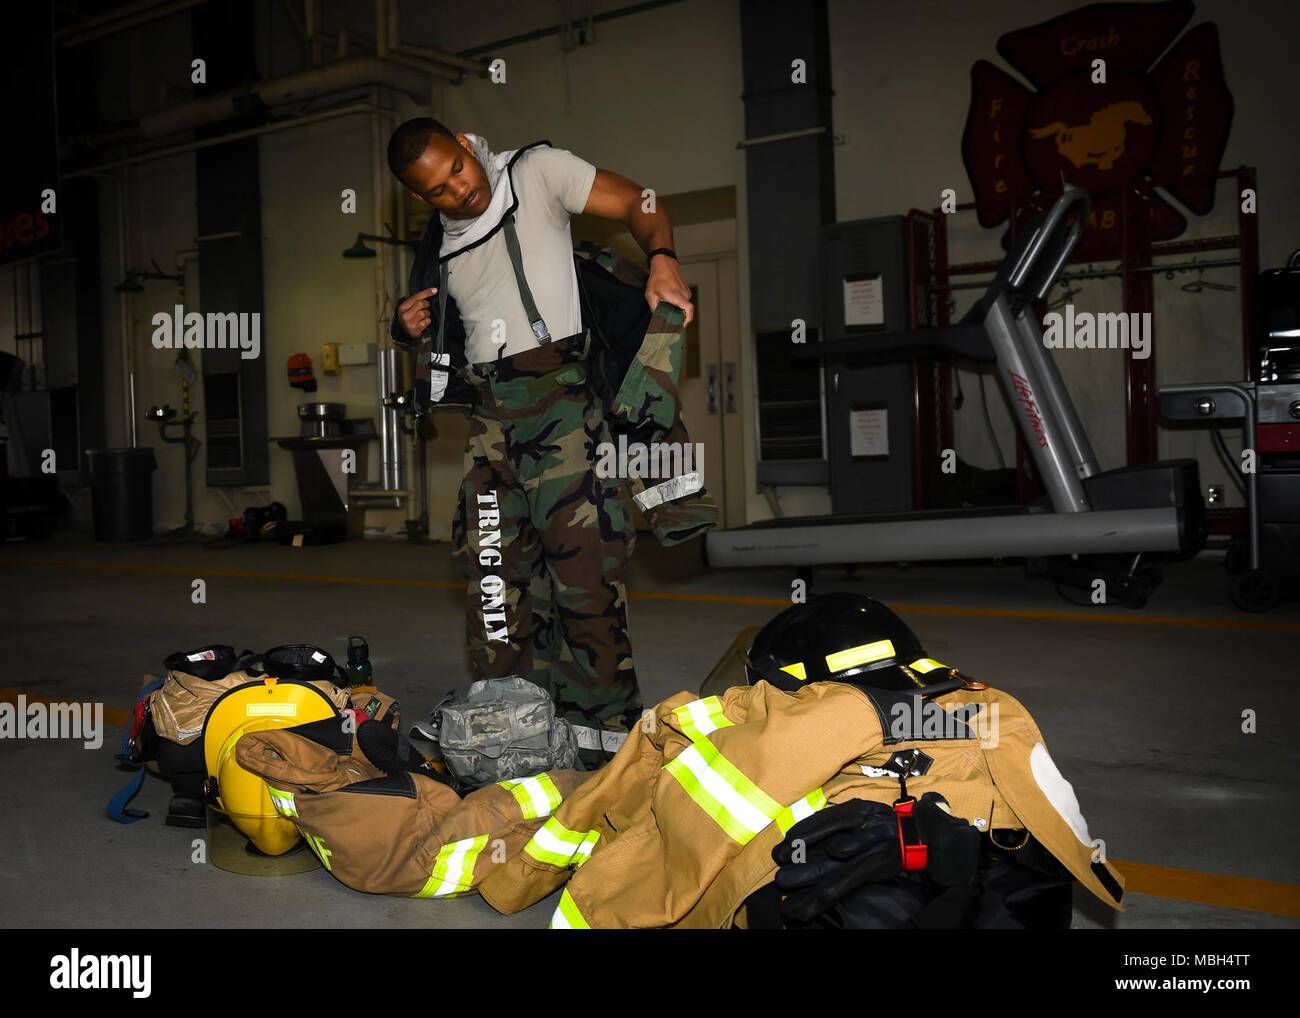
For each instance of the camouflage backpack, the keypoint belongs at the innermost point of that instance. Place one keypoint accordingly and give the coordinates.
(501, 730)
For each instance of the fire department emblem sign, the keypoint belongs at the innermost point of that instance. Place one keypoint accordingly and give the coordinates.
(1106, 111)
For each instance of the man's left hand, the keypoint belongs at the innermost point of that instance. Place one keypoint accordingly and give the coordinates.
(666, 284)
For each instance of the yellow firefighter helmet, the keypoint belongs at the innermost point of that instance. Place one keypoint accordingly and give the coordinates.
(257, 706)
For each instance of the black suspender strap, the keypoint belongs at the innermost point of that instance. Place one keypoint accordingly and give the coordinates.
(442, 305)
(526, 295)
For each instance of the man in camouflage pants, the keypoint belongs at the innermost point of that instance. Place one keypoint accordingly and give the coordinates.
(543, 540)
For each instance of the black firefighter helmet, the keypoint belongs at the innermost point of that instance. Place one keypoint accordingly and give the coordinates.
(843, 637)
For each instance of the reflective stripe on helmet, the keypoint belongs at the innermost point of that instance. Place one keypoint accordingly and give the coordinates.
(567, 916)
(283, 802)
(271, 710)
(925, 664)
(801, 809)
(797, 670)
(701, 718)
(735, 803)
(537, 797)
(453, 869)
(881, 650)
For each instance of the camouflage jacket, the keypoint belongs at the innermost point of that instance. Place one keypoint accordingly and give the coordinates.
(636, 359)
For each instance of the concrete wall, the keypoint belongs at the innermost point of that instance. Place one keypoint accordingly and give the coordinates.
(312, 295)
(657, 98)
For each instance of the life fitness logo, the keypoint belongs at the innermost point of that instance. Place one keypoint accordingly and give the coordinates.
(25, 228)
(1103, 113)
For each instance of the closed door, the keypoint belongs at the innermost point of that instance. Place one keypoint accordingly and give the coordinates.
(711, 381)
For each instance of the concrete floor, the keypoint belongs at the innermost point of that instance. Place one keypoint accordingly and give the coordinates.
(1141, 709)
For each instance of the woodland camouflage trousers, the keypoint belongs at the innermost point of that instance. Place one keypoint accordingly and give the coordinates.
(543, 541)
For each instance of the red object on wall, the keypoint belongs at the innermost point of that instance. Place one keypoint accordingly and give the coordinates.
(300, 373)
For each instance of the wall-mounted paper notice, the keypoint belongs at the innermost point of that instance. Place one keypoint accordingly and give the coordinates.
(864, 300)
(868, 432)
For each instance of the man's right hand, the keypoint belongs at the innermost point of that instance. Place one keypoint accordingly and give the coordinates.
(414, 312)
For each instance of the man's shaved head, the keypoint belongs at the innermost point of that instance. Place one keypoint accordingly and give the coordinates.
(410, 140)
(439, 168)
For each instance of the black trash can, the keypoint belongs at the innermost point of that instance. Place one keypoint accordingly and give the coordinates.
(121, 484)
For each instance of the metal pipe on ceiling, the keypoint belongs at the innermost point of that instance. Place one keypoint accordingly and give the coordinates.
(120, 20)
(279, 125)
(394, 44)
(313, 32)
(354, 72)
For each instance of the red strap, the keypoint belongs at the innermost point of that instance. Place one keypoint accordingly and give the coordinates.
(137, 718)
(914, 853)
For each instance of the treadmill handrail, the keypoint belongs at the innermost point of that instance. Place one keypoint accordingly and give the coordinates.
(1026, 279)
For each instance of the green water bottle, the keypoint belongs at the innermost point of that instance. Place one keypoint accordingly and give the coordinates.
(358, 666)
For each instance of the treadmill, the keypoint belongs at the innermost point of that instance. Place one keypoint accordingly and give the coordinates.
(1129, 512)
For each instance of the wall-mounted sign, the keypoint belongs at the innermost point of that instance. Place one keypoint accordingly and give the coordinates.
(869, 431)
(1165, 120)
(864, 301)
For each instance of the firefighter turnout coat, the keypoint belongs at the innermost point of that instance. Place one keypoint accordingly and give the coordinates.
(678, 830)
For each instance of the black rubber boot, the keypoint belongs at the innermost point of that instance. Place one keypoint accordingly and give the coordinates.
(184, 811)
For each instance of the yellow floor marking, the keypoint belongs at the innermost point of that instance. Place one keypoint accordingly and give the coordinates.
(1135, 618)
(1210, 888)
(112, 715)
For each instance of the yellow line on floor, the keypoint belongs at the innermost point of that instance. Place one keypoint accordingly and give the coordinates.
(112, 715)
(246, 574)
(1135, 618)
(1211, 888)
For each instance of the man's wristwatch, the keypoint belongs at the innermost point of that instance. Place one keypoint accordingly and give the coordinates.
(660, 250)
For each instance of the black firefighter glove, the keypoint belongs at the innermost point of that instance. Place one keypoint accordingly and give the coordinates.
(392, 753)
(828, 858)
(953, 855)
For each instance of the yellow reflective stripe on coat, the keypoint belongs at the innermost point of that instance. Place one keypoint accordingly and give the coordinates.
(453, 869)
(735, 803)
(801, 810)
(583, 851)
(701, 718)
(283, 802)
(567, 916)
(537, 797)
(554, 843)
(925, 664)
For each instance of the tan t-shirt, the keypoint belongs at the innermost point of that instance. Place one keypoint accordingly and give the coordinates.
(551, 185)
